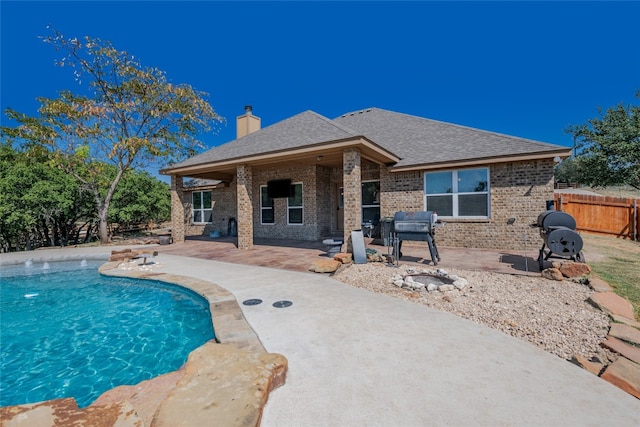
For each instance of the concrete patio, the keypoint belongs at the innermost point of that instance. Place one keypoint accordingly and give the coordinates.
(297, 255)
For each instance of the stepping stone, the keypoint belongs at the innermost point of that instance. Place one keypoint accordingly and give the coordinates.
(590, 366)
(599, 285)
(624, 374)
(612, 304)
(626, 333)
(630, 352)
(624, 320)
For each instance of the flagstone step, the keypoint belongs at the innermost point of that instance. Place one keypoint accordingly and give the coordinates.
(624, 374)
(612, 304)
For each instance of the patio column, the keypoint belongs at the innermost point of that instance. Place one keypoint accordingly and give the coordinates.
(244, 191)
(352, 184)
(177, 209)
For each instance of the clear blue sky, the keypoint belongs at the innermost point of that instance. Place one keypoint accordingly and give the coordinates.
(524, 69)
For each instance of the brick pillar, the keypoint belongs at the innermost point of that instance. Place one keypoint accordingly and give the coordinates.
(177, 209)
(244, 188)
(352, 183)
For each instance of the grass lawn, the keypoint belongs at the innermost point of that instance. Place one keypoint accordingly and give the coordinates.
(617, 262)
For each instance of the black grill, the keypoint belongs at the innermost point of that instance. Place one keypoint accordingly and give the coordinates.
(415, 226)
(557, 229)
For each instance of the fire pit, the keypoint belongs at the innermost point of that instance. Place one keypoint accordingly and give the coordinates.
(428, 280)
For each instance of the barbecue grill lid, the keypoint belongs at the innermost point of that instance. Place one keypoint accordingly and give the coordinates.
(551, 218)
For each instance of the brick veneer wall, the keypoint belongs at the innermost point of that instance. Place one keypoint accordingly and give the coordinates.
(325, 193)
(315, 200)
(352, 183)
(178, 216)
(245, 190)
(518, 190)
(224, 207)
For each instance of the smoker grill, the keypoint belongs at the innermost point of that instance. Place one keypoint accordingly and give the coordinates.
(415, 226)
(557, 229)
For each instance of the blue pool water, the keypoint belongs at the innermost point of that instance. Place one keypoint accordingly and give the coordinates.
(67, 331)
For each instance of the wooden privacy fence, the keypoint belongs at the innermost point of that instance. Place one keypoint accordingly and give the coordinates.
(601, 214)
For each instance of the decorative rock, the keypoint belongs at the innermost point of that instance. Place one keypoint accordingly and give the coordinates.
(556, 264)
(65, 412)
(432, 287)
(594, 368)
(625, 333)
(552, 274)
(624, 374)
(416, 286)
(599, 285)
(611, 303)
(398, 282)
(224, 384)
(442, 272)
(325, 266)
(574, 269)
(344, 258)
(446, 288)
(145, 397)
(460, 284)
(630, 352)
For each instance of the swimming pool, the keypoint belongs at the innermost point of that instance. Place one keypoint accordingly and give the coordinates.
(68, 331)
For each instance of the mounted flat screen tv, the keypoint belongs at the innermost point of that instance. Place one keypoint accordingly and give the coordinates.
(279, 188)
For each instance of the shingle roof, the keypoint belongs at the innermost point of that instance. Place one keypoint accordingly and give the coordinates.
(420, 141)
(304, 129)
(415, 140)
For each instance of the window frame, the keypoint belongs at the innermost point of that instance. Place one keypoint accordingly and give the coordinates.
(202, 209)
(374, 205)
(263, 208)
(455, 208)
(300, 207)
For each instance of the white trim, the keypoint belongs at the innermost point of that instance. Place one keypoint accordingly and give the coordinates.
(455, 194)
(296, 207)
(266, 207)
(202, 209)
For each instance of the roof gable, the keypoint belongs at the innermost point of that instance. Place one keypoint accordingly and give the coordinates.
(302, 130)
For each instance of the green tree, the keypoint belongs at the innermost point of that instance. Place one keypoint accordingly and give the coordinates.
(567, 170)
(39, 203)
(139, 199)
(609, 147)
(130, 117)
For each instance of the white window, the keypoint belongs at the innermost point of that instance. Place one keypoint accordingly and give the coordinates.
(266, 206)
(201, 207)
(462, 193)
(294, 205)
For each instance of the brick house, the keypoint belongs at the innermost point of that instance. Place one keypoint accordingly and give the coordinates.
(360, 167)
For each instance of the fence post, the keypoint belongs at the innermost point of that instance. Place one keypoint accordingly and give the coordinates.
(635, 220)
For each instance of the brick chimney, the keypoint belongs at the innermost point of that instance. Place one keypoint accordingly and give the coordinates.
(247, 123)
